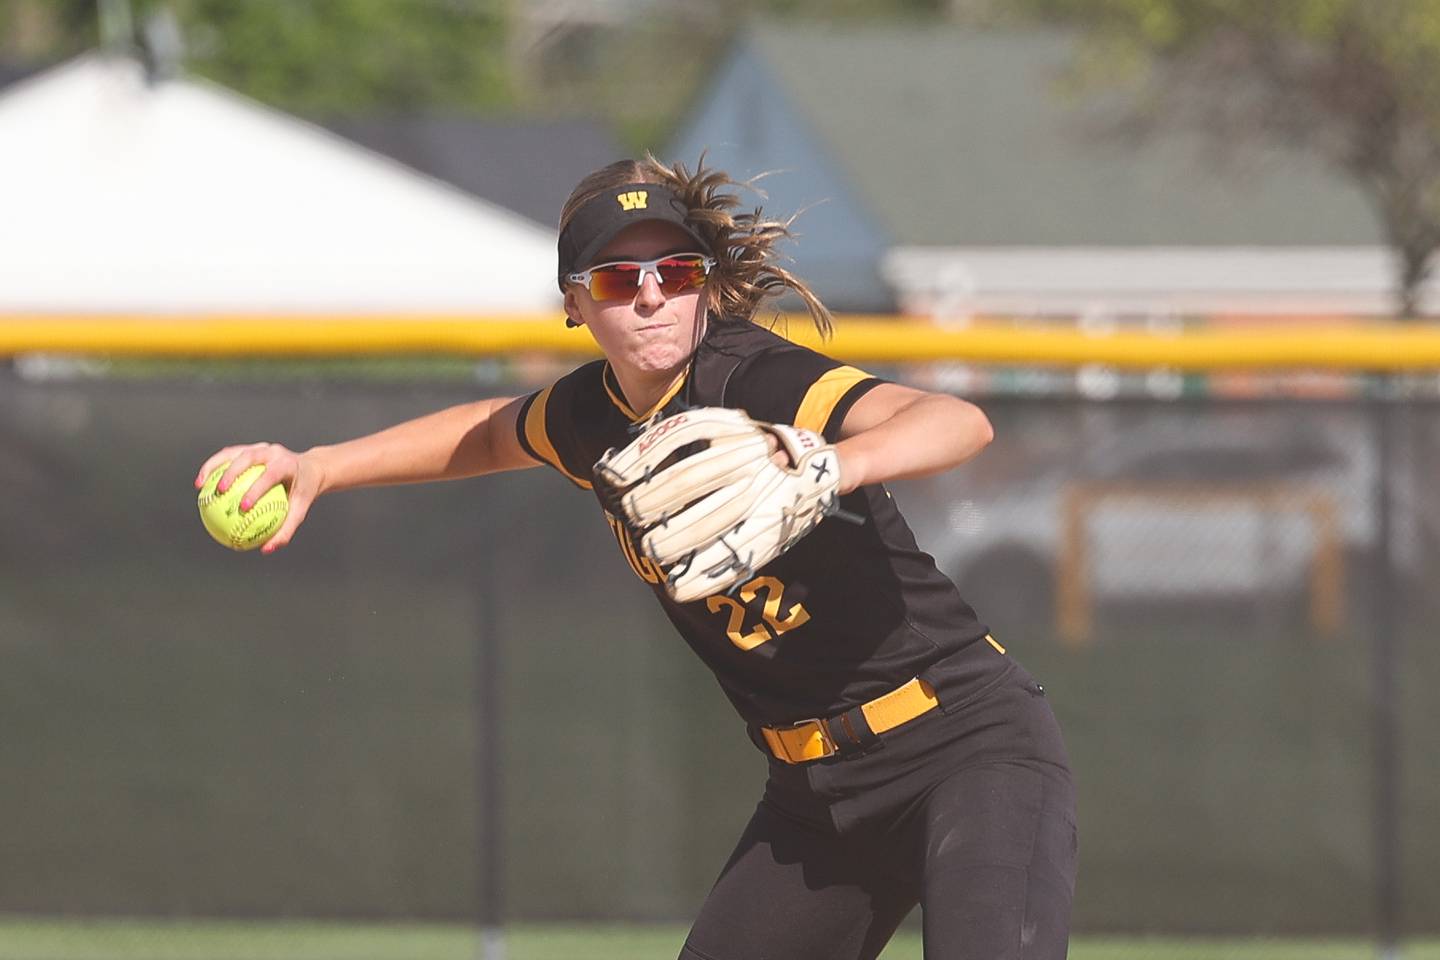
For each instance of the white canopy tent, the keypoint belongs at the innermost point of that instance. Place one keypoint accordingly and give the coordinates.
(118, 195)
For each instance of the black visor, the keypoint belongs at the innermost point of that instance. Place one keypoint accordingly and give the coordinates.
(601, 218)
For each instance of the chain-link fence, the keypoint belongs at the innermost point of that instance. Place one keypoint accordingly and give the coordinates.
(1219, 595)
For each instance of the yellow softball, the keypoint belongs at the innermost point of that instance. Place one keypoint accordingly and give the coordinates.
(220, 512)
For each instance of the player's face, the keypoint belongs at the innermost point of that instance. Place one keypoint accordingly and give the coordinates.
(653, 332)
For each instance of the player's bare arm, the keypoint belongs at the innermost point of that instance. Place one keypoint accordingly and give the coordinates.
(896, 432)
(462, 441)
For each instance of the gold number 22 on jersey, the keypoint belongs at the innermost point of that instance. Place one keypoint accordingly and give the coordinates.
(770, 613)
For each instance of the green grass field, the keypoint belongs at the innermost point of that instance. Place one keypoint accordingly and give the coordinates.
(29, 939)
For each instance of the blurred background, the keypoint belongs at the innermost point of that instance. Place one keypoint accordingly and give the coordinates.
(1179, 250)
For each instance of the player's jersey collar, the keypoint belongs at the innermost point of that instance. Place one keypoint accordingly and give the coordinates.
(617, 397)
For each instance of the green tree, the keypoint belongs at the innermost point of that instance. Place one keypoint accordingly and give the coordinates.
(1353, 81)
(307, 56)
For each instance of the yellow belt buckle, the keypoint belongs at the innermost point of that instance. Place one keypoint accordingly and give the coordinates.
(803, 740)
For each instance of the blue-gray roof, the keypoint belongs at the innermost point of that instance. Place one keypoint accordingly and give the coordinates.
(12, 71)
(953, 136)
(529, 166)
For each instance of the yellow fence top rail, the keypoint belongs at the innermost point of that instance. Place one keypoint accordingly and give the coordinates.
(1376, 346)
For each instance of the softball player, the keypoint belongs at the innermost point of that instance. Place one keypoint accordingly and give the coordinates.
(911, 759)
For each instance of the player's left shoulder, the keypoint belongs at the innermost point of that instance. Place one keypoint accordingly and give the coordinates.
(789, 383)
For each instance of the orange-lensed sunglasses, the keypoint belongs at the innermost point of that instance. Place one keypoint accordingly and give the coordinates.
(621, 279)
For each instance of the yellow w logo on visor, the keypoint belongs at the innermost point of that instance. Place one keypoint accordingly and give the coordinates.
(633, 200)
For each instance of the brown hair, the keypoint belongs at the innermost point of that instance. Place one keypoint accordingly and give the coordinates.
(743, 243)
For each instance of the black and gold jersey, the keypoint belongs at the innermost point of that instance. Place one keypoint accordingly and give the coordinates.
(851, 611)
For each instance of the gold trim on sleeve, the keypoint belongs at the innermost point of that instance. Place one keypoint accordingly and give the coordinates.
(539, 438)
(824, 394)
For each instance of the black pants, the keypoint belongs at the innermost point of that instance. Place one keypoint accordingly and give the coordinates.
(968, 812)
